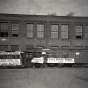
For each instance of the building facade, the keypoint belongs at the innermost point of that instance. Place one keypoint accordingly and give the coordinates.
(24, 32)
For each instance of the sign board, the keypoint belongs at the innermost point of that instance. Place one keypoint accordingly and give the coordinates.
(37, 60)
(43, 52)
(55, 60)
(9, 62)
(68, 60)
(77, 53)
(60, 60)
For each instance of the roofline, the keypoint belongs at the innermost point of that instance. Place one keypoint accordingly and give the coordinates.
(7, 14)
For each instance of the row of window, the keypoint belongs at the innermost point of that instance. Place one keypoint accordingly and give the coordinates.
(28, 47)
(4, 29)
(41, 30)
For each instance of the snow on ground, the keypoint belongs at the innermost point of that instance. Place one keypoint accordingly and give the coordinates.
(44, 78)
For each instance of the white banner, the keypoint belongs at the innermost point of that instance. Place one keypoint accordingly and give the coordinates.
(10, 62)
(60, 60)
(55, 60)
(68, 60)
(37, 60)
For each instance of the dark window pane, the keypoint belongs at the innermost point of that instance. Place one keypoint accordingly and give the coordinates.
(4, 34)
(13, 57)
(9, 57)
(1, 56)
(17, 56)
(78, 37)
(5, 57)
(15, 35)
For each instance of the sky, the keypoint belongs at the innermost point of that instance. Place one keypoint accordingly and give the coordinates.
(44, 7)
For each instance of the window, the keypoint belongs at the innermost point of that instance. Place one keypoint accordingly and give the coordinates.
(78, 32)
(15, 47)
(15, 29)
(4, 30)
(40, 47)
(64, 31)
(40, 30)
(86, 47)
(54, 31)
(86, 32)
(1, 56)
(3, 47)
(64, 47)
(55, 47)
(30, 28)
(28, 47)
(78, 47)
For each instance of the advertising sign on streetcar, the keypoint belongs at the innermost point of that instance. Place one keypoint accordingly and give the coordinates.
(10, 62)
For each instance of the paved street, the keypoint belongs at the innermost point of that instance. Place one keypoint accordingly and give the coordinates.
(44, 78)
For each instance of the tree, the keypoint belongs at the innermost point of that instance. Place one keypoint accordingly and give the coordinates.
(52, 14)
(71, 14)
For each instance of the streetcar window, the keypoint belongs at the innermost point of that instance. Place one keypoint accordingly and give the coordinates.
(39, 54)
(9, 57)
(17, 56)
(35, 54)
(1, 56)
(5, 57)
(50, 54)
(13, 56)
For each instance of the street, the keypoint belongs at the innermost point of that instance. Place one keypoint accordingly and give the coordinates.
(65, 77)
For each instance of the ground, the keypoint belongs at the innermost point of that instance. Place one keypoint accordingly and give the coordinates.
(64, 77)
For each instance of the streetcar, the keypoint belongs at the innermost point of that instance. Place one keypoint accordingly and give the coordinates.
(58, 58)
(11, 59)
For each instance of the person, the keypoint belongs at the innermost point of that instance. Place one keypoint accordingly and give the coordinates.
(45, 61)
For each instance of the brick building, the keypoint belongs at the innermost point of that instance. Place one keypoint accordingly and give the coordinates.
(24, 32)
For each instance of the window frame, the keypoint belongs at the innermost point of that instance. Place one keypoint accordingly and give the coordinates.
(13, 30)
(4, 31)
(79, 32)
(13, 48)
(30, 30)
(65, 31)
(81, 47)
(86, 32)
(65, 47)
(40, 31)
(54, 31)
(5, 47)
